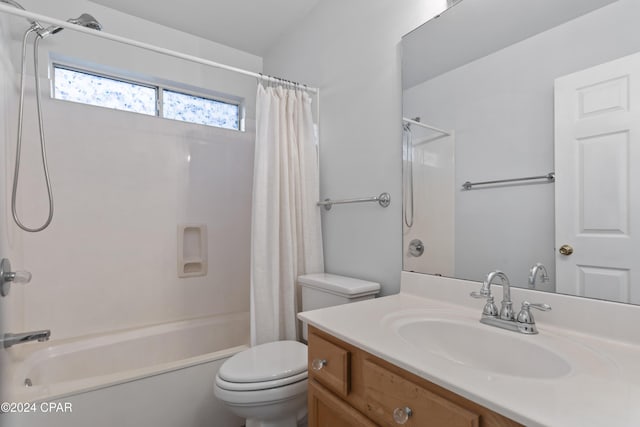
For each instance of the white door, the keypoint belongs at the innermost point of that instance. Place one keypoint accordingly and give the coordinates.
(597, 164)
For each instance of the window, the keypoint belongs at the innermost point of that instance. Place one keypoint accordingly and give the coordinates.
(195, 109)
(76, 86)
(120, 94)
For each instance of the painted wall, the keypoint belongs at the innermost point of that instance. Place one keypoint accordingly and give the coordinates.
(351, 51)
(501, 108)
(122, 184)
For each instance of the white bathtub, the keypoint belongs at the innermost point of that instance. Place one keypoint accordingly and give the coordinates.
(157, 376)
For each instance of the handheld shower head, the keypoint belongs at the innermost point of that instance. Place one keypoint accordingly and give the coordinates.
(86, 20)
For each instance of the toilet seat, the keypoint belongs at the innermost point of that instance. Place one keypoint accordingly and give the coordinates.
(265, 366)
(260, 385)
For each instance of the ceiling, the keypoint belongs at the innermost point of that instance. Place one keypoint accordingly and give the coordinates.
(249, 25)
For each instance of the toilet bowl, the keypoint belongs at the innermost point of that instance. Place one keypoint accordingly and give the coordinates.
(266, 384)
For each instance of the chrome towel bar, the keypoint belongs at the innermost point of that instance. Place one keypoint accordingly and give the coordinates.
(551, 176)
(384, 199)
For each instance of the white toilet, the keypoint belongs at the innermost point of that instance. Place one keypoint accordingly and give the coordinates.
(267, 384)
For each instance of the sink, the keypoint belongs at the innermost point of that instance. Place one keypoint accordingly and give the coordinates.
(484, 348)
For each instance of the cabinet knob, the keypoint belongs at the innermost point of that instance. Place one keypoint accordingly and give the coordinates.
(318, 364)
(401, 415)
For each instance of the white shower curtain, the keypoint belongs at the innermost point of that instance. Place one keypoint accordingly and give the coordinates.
(286, 239)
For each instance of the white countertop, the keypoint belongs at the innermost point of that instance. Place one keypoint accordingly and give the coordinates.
(602, 389)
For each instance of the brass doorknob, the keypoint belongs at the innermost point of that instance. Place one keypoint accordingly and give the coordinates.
(566, 250)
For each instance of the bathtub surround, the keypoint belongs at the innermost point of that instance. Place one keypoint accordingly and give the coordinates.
(124, 182)
(286, 239)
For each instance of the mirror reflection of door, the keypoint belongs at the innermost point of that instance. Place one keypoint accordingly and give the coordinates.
(597, 163)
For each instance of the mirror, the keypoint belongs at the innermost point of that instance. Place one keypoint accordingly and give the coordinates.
(498, 90)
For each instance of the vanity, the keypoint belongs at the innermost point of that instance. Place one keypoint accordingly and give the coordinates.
(422, 358)
(352, 387)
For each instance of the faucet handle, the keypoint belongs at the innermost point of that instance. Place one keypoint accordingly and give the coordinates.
(20, 276)
(490, 308)
(7, 276)
(539, 306)
(479, 295)
(525, 321)
(525, 316)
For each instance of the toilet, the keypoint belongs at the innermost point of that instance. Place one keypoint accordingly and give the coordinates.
(267, 384)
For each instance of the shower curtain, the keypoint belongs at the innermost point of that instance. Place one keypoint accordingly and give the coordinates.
(286, 239)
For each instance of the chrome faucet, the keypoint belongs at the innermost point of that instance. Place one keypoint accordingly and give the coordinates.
(505, 318)
(533, 274)
(506, 310)
(12, 339)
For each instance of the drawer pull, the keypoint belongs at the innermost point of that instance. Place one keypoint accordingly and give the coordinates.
(318, 364)
(401, 415)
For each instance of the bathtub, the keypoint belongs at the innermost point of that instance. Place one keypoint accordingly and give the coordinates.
(160, 375)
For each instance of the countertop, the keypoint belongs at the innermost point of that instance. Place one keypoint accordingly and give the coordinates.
(602, 389)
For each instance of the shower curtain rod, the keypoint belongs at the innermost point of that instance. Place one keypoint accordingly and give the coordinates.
(433, 128)
(64, 24)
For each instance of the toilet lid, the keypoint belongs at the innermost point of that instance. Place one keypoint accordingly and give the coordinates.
(266, 362)
(260, 385)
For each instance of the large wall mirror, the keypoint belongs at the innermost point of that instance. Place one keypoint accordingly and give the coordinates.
(521, 145)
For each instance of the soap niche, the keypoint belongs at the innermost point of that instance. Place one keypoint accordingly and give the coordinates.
(192, 250)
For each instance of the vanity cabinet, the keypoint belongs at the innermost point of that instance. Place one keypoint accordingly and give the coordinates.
(350, 387)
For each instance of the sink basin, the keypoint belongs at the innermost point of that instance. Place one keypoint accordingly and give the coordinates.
(483, 347)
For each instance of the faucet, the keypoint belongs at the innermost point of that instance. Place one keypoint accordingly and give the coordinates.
(533, 274)
(505, 318)
(12, 339)
(506, 310)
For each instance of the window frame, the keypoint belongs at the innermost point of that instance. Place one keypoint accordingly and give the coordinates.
(151, 83)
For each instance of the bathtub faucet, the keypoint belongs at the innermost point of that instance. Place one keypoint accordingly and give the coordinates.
(12, 339)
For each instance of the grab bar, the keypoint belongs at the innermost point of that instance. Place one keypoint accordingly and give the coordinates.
(551, 176)
(384, 199)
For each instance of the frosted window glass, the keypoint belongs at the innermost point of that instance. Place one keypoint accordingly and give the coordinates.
(105, 92)
(194, 109)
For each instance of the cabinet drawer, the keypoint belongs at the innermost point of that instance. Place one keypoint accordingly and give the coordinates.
(334, 371)
(385, 391)
(328, 410)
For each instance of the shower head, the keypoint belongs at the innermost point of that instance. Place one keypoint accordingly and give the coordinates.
(84, 20)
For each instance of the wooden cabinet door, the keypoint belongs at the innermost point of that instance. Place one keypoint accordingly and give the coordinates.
(386, 391)
(327, 410)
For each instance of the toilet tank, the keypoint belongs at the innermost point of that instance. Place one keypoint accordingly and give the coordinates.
(321, 290)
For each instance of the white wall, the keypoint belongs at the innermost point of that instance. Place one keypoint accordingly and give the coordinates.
(351, 51)
(501, 108)
(123, 182)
